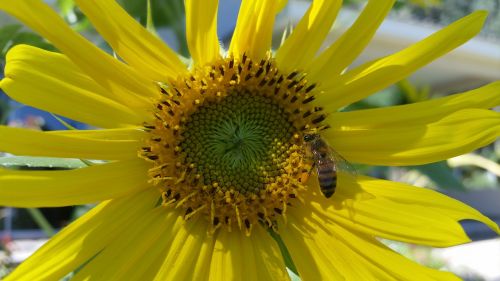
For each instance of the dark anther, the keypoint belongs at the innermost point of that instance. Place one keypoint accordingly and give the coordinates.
(171, 112)
(261, 215)
(259, 72)
(278, 211)
(319, 119)
(308, 100)
(263, 82)
(276, 90)
(159, 106)
(268, 67)
(291, 195)
(262, 62)
(147, 126)
(189, 210)
(168, 192)
(216, 221)
(177, 102)
(248, 76)
(291, 75)
(231, 63)
(178, 93)
(306, 114)
(163, 91)
(234, 77)
(192, 78)
(146, 149)
(280, 79)
(221, 69)
(187, 85)
(157, 116)
(271, 82)
(299, 87)
(156, 139)
(244, 58)
(294, 99)
(240, 68)
(247, 223)
(310, 88)
(294, 82)
(318, 108)
(153, 157)
(177, 196)
(226, 219)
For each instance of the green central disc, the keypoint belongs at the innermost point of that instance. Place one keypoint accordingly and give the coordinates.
(240, 141)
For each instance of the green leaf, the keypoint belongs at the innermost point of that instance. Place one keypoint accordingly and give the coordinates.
(284, 252)
(149, 19)
(293, 276)
(441, 174)
(7, 33)
(67, 8)
(165, 14)
(19, 162)
(18, 36)
(41, 221)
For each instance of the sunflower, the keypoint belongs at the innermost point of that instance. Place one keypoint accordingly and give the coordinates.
(207, 165)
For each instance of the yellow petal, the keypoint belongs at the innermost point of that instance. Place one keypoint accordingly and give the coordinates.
(395, 211)
(127, 255)
(258, 256)
(306, 39)
(74, 187)
(84, 238)
(424, 112)
(254, 28)
(269, 263)
(50, 81)
(126, 134)
(187, 238)
(302, 237)
(340, 54)
(409, 143)
(127, 85)
(424, 198)
(377, 75)
(138, 47)
(201, 30)
(37, 143)
(330, 252)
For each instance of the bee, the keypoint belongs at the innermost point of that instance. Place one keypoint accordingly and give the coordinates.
(327, 162)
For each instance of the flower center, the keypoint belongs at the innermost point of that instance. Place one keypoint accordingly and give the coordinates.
(227, 142)
(240, 142)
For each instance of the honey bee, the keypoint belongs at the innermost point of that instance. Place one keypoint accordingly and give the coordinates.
(327, 162)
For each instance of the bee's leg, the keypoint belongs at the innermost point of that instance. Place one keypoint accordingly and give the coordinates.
(307, 170)
(312, 167)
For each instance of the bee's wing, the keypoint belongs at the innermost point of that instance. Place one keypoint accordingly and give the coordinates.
(341, 164)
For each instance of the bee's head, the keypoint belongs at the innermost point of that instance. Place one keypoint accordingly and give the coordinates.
(309, 137)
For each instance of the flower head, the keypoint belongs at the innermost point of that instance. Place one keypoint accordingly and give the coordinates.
(207, 162)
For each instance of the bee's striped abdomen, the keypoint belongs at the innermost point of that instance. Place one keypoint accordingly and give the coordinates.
(327, 177)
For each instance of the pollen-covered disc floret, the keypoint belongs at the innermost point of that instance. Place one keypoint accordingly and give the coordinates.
(227, 142)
